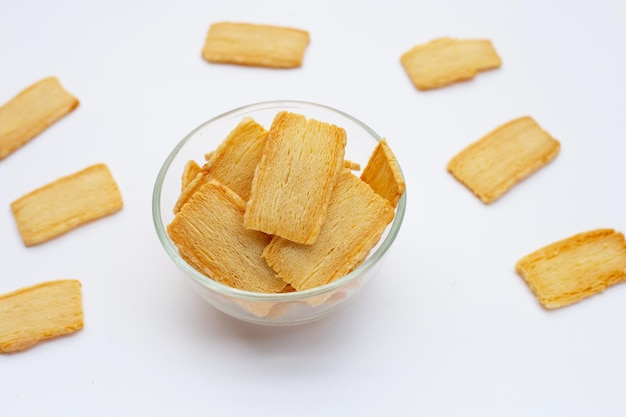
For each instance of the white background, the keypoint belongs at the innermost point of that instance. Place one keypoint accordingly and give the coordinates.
(447, 328)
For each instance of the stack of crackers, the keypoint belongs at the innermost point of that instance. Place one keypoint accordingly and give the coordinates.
(280, 210)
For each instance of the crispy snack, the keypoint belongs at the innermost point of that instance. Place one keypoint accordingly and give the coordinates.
(295, 177)
(351, 165)
(31, 112)
(356, 219)
(502, 158)
(189, 189)
(189, 173)
(255, 45)
(383, 174)
(575, 268)
(39, 312)
(446, 60)
(66, 203)
(232, 163)
(208, 231)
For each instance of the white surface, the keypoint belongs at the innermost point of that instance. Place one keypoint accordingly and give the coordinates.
(448, 329)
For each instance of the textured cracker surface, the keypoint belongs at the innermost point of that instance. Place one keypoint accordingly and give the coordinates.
(39, 312)
(383, 174)
(575, 268)
(502, 158)
(294, 180)
(64, 204)
(209, 234)
(444, 61)
(357, 217)
(233, 163)
(189, 173)
(32, 111)
(255, 45)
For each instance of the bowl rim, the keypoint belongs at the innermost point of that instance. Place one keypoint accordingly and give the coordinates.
(226, 290)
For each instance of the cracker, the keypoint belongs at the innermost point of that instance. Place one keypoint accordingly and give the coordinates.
(31, 112)
(445, 61)
(356, 219)
(233, 162)
(255, 45)
(383, 174)
(189, 173)
(351, 165)
(189, 189)
(64, 204)
(575, 268)
(295, 177)
(39, 312)
(502, 158)
(208, 231)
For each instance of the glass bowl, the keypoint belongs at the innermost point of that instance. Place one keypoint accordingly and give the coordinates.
(269, 309)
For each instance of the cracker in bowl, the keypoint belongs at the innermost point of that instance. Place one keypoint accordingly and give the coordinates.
(294, 180)
(357, 217)
(209, 234)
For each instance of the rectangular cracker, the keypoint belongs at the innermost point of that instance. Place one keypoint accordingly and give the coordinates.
(64, 204)
(445, 61)
(31, 112)
(233, 162)
(209, 234)
(502, 158)
(295, 177)
(383, 174)
(575, 268)
(357, 217)
(255, 45)
(39, 312)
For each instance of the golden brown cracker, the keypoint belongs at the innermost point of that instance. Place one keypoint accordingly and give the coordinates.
(502, 158)
(39, 312)
(208, 232)
(233, 162)
(189, 173)
(255, 45)
(351, 165)
(31, 112)
(575, 268)
(294, 180)
(64, 204)
(445, 61)
(356, 219)
(383, 174)
(190, 188)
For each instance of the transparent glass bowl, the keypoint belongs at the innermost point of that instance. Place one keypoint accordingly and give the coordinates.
(269, 309)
